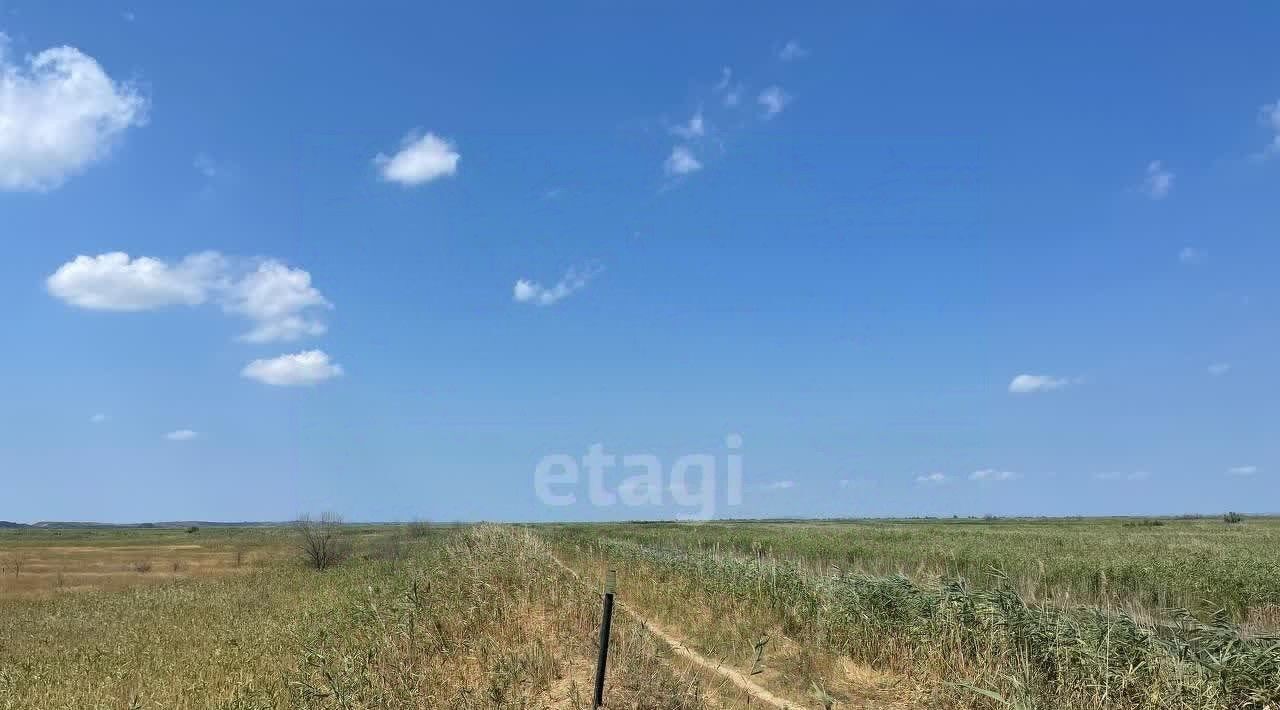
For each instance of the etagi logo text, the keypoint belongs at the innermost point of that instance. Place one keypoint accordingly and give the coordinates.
(691, 481)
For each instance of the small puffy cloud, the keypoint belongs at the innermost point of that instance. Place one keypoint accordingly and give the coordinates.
(59, 113)
(1190, 255)
(575, 279)
(420, 159)
(791, 51)
(116, 282)
(304, 368)
(1028, 384)
(181, 435)
(1242, 470)
(1270, 117)
(777, 485)
(773, 99)
(696, 127)
(1218, 369)
(1123, 476)
(931, 479)
(1159, 181)
(991, 474)
(681, 162)
(98, 418)
(280, 300)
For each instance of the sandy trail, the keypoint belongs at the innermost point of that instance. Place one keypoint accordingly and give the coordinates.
(739, 680)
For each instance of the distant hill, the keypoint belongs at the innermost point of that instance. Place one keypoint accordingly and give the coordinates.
(7, 524)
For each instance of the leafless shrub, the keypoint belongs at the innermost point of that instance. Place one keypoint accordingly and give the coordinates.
(320, 540)
(142, 566)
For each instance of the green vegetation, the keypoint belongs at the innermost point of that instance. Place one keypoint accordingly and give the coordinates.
(1119, 614)
(1198, 564)
(968, 640)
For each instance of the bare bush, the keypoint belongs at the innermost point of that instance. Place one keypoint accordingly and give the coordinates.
(320, 540)
(142, 566)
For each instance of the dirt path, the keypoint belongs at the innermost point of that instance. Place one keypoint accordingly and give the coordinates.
(740, 681)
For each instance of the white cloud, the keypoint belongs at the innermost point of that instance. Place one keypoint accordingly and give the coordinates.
(696, 127)
(304, 368)
(855, 483)
(681, 162)
(792, 51)
(280, 300)
(59, 113)
(1190, 255)
(98, 418)
(115, 282)
(777, 485)
(420, 159)
(1270, 116)
(1219, 369)
(1159, 181)
(932, 479)
(726, 76)
(1027, 384)
(1242, 470)
(991, 474)
(1122, 476)
(773, 99)
(575, 279)
(181, 435)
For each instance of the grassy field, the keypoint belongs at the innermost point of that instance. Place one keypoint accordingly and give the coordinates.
(908, 614)
(1139, 566)
(1040, 614)
(458, 618)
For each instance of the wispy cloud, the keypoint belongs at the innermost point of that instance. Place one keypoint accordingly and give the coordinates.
(1191, 256)
(682, 161)
(777, 485)
(931, 479)
(695, 127)
(181, 435)
(1030, 384)
(1158, 182)
(205, 165)
(98, 418)
(792, 51)
(574, 280)
(773, 99)
(991, 474)
(1218, 369)
(1269, 115)
(1242, 470)
(1123, 476)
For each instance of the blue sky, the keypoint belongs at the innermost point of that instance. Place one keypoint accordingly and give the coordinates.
(922, 259)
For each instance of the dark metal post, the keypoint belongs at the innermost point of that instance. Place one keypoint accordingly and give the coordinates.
(610, 584)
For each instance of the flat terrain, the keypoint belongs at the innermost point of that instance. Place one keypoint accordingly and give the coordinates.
(884, 614)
